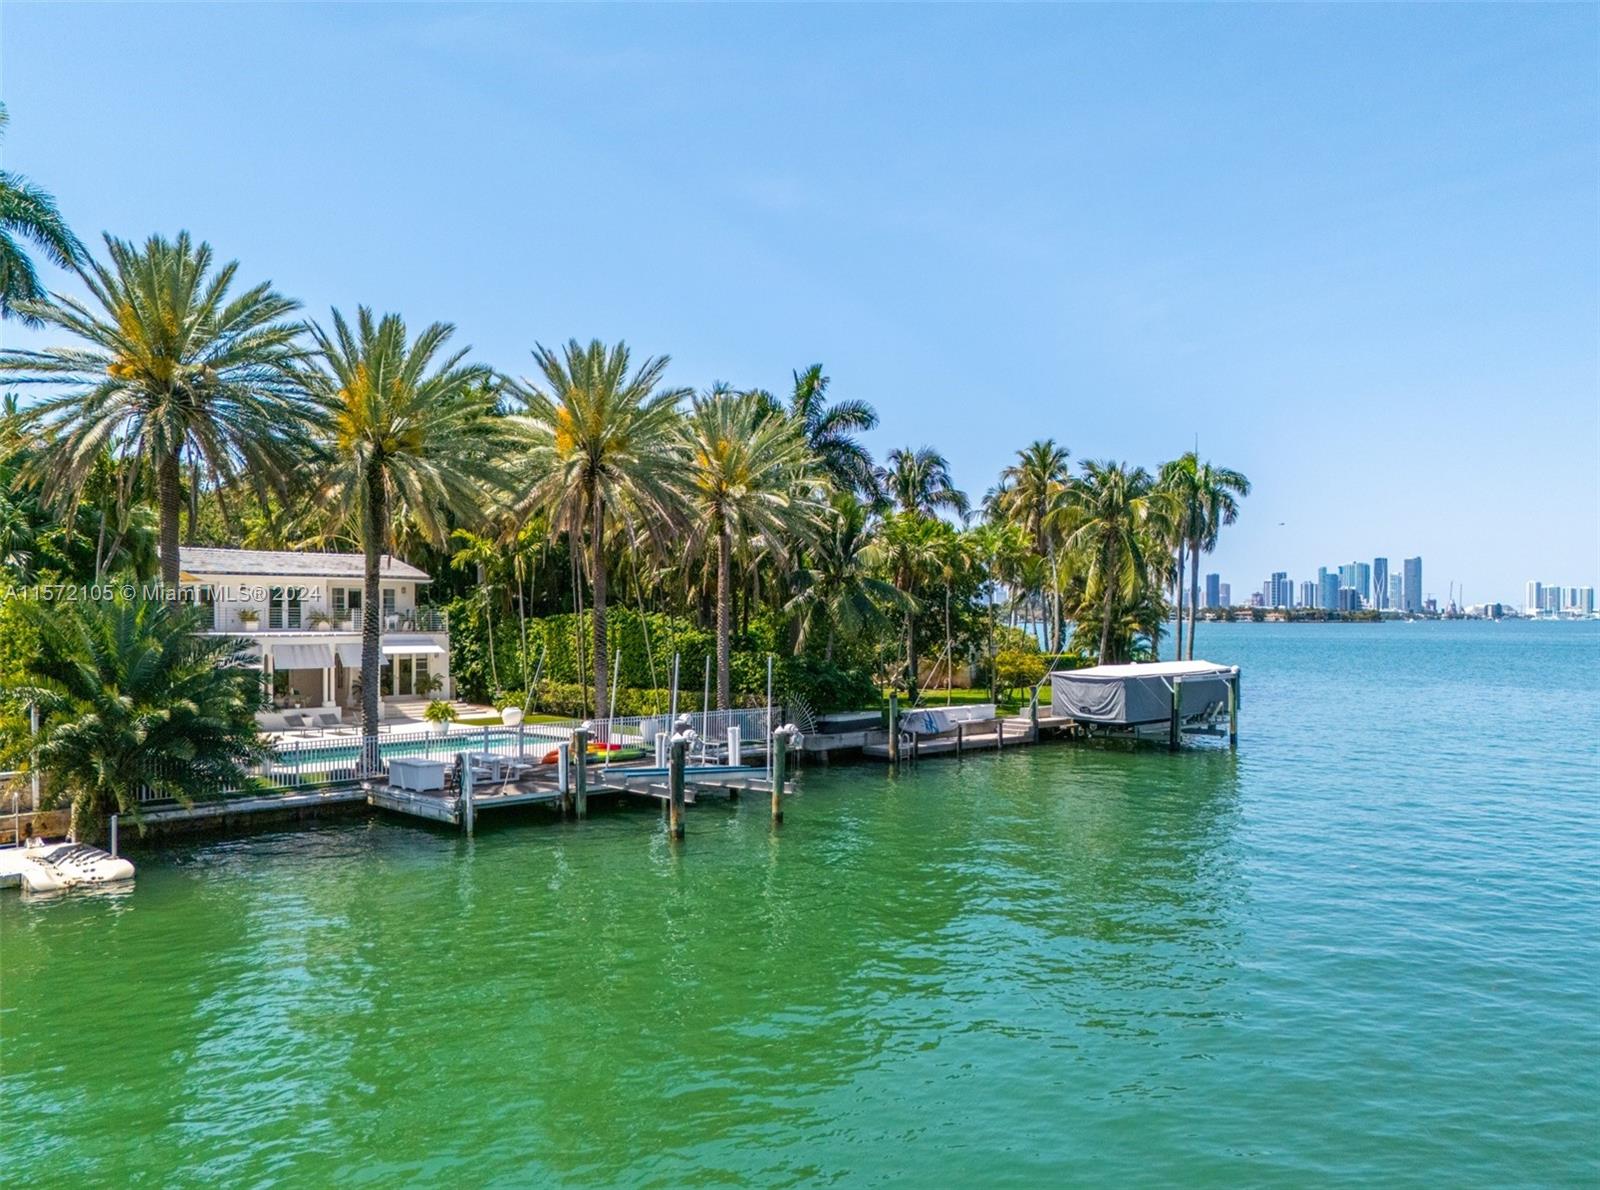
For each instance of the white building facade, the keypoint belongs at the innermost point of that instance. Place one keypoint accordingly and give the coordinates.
(303, 613)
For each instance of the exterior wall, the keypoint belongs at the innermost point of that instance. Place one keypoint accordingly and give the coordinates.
(323, 618)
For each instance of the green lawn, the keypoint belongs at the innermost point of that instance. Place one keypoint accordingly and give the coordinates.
(936, 698)
(487, 720)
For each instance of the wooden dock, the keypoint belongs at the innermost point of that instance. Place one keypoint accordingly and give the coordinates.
(460, 809)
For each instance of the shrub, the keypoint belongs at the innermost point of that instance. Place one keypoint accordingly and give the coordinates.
(439, 711)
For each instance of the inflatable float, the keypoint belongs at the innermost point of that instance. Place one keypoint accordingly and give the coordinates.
(51, 867)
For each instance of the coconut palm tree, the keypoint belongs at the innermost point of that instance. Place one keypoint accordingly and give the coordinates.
(132, 695)
(408, 435)
(1207, 499)
(600, 455)
(830, 430)
(169, 365)
(28, 213)
(1032, 486)
(834, 587)
(909, 548)
(1115, 509)
(918, 481)
(749, 479)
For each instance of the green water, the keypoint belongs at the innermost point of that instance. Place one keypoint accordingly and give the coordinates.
(1361, 948)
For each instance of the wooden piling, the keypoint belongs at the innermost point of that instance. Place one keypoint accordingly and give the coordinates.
(961, 731)
(780, 766)
(1233, 711)
(680, 752)
(465, 807)
(999, 731)
(1033, 717)
(580, 774)
(894, 729)
(1174, 723)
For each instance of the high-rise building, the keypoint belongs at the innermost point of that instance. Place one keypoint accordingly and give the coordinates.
(1213, 590)
(1363, 581)
(1349, 599)
(1224, 595)
(1411, 590)
(1347, 575)
(1278, 591)
(1380, 583)
(1308, 594)
(1585, 604)
(1327, 589)
(1550, 599)
(1394, 592)
(1533, 600)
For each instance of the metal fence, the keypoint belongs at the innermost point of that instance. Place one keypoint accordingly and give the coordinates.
(316, 760)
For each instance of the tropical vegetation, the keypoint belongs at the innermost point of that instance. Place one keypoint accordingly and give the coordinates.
(587, 526)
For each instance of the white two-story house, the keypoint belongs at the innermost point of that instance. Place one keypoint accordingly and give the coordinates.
(303, 612)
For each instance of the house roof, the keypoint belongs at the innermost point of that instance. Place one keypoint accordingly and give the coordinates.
(290, 564)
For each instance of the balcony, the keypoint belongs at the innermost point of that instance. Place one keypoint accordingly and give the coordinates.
(316, 620)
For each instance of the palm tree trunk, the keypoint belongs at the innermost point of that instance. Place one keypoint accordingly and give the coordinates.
(827, 653)
(168, 492)
(1177, 654)
(949, 661)
(597, 575)
(724, 618)
(1194, 590)
(488, 628)
(373, 537)
(912, 676)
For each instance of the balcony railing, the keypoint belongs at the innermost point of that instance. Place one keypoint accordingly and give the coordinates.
(422, 619)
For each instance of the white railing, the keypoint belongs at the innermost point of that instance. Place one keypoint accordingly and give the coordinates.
(333, 757)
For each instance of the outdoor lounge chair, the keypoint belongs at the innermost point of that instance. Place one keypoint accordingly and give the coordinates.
(299, 728)
(329, 722)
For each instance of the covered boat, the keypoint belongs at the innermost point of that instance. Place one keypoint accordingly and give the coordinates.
(50, 867)
(1135, 694)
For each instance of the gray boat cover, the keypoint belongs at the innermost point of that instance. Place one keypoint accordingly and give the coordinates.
(1124, 695)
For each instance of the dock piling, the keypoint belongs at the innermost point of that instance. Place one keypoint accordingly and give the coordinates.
(781, 739)
(1174, 723)
(894, 729)
(960, 735)
(564, 771)
(680, 752)
(1233, 711)
(580, 776)
(466, 795)
(114, 819)
(1033, 717)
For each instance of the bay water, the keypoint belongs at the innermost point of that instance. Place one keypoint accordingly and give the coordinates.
(1362, 948)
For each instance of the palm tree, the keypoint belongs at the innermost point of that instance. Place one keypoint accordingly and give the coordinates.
(1114, 509)
(132, 695)
(408, 436)
(28, 212)
(1207, 499)
(171, 366)
(747, 475)
(909, 548)
(599, 455)
(1032, 486)
(830, 431)
(918, 481)
(834, 587)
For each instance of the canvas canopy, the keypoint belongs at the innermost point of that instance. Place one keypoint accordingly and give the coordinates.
(1124, 695)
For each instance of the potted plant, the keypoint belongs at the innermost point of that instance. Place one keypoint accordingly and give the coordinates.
(441, 714)
(249, 617)
(510, 711)
(320, 620)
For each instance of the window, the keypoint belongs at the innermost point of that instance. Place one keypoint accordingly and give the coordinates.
(338, 601)
(423, 684)
(388, 603)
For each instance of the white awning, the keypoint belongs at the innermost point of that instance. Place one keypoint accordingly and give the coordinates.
(350, 655)
(302, 657)
(398, 643)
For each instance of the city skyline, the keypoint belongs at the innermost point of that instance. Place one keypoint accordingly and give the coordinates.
(1121, 233)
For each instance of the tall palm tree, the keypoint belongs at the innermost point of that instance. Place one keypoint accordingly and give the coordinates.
(599, 455)
(909, 547)
(133, 695)
(830, 430)
(408, 435)
(1114, 506)
(1032, 486)
(834, 588)
(29, 213)
(170, 365)
(1207, 499)
(749, 477)
(918, 481)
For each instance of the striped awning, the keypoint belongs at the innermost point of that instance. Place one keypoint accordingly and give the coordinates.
(302, 657)
(350, 655)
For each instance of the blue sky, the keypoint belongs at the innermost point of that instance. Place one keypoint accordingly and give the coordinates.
(1354, 249)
